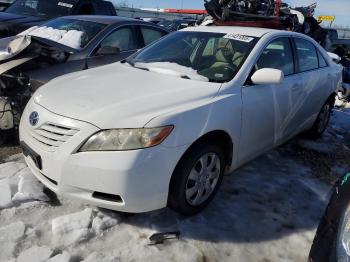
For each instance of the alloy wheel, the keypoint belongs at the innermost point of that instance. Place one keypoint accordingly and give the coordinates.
(203, 179)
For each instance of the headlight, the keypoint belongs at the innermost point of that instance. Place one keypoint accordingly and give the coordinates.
(126, 139)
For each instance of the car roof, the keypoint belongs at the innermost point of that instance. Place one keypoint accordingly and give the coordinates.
(251, 31)
(104, 19)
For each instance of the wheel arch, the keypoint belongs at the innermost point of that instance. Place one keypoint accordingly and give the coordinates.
(217, 136)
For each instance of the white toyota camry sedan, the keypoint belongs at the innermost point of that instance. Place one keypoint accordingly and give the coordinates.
(162, 127)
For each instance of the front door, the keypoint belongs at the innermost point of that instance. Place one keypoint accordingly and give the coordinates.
(266, 111)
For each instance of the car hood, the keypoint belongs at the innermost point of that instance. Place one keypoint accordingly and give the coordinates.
(12, 24)
(120, 96)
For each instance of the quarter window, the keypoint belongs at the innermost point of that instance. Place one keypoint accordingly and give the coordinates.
(150, 35)
(307, 55)
(278, 55)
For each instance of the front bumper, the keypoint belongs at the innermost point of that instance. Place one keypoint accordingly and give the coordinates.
(135, 181)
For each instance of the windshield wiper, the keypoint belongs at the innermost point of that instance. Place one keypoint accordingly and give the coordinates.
(128, 62)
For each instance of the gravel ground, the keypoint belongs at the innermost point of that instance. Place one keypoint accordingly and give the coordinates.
(8, 150)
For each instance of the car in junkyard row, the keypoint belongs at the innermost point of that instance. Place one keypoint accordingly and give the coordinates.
(332, 240)
(163, 126)
(23, 14)
(60, 46)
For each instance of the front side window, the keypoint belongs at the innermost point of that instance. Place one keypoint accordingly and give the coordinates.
(121, 39)
(307, 55)
(278, 55)
(203, 56)
(150, 35)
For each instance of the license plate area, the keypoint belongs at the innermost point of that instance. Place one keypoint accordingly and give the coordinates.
(28, 152)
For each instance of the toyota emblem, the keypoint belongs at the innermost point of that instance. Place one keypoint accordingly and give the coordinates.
(34, 118)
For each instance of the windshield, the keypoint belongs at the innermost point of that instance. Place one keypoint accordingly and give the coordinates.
(41, 8)
(197, 55)
(70, 32)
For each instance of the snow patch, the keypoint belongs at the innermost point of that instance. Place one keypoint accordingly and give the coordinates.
(11, 168)
(100, 257)
(5, 194)
(35, 254)
(29, 188)
(71, 38)
(172, 69)
(72, 228)
(101, 224)
(12, 232)
(9, 235)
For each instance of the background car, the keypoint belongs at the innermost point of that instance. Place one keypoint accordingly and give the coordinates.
(23, 14)
(177, 24)
(332, 240)
(4, 4)
(104, 40)
(162, 127)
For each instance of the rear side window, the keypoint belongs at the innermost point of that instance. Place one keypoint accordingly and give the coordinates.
(322, 62)
(150, 35)
(307, 55)
(278, 54)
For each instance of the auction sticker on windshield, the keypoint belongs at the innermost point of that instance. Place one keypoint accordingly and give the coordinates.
(238, 37)
(65, 4)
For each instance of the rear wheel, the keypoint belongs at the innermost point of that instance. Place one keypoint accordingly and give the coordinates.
(322, 120)
(196, 179)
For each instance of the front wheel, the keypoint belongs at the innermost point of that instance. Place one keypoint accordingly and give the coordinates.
(196, 179)
(322, 120)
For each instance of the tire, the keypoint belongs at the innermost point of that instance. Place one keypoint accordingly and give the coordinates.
(192, 186)
(322, 121)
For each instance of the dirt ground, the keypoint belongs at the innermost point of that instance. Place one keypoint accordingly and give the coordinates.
(8, 150)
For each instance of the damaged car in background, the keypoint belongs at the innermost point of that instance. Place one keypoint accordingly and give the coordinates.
(23, 14)
(61, 46)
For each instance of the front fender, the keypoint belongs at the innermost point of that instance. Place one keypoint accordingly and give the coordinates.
(193, 121)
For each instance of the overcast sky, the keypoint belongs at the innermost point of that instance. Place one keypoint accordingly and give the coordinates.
(339, 8)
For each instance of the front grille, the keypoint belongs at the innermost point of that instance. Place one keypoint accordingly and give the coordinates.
(51, 136)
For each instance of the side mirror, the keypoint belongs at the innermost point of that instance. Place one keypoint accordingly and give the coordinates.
(335, 58)
(267, 76)
(108, 50)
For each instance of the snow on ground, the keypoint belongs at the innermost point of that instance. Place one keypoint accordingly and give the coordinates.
(71, 38)
(267, 210)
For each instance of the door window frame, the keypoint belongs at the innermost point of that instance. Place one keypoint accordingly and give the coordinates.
(318, 52)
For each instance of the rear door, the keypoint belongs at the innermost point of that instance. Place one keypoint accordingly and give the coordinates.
(116, 46)
(266, 116)
(314, 74)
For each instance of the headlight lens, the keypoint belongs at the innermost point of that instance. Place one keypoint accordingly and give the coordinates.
(126, 139)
